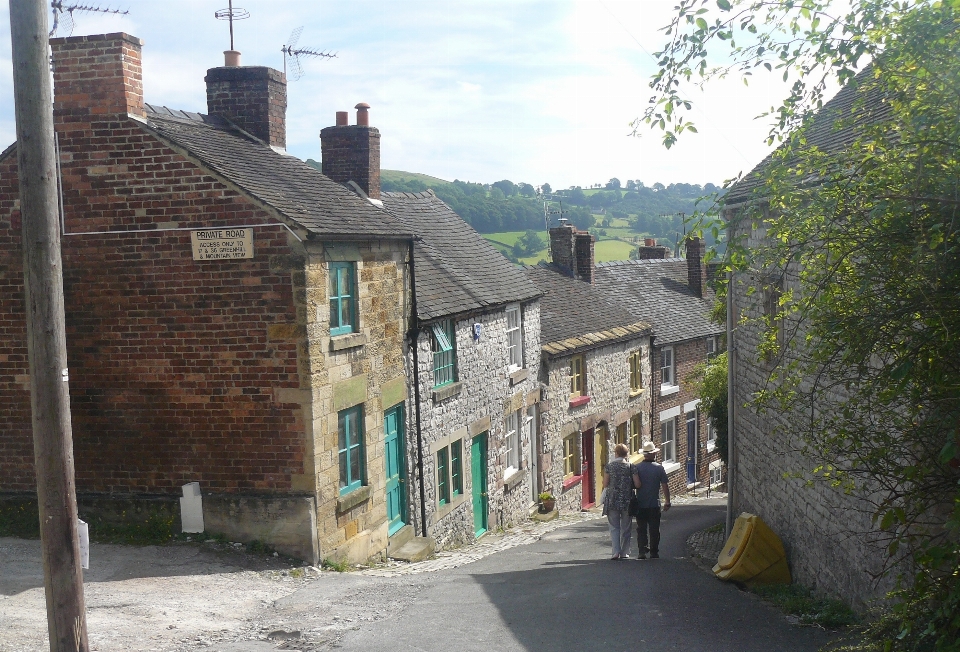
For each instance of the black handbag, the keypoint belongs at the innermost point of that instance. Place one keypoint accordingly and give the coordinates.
(634, 508)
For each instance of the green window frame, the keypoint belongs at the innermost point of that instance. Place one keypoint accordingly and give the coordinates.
(350, 439)
(443, 475)
(456, 467)
(343, 299)
(444, 353)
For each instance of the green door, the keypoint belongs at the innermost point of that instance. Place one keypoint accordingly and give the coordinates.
(478, 468)
(393, 436)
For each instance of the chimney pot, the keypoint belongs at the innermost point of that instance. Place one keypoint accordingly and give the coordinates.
(650, 242)
(343, 118)
(231, 58)
(363, 115)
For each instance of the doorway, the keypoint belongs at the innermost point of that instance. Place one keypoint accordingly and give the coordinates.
(602, 456)
(395, 468)
(534, 457)
(587, 486)
(478, 476)
(692, 447)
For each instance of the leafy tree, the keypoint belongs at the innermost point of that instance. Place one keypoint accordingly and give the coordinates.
(710, 380)
(613, 184)
(527, 190)
(507, 187)
(531, 243)
(864, 242)
(546, 189)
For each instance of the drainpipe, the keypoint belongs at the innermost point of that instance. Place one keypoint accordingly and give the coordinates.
(654, 390)
(414, 335)
(731, 400)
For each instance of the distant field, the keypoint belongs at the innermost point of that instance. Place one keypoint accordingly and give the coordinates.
(399, 175)
(605, 250)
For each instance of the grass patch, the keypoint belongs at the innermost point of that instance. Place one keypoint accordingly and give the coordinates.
(609, 250)
(334, 565)
(799, 601)
(19, 519)
(155, 529)
(719, 527)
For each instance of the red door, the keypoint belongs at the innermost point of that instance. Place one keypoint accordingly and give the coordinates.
(586, 482)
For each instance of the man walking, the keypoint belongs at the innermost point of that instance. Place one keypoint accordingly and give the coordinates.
(649, 477)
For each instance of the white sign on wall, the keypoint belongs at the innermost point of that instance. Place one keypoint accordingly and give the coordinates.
(222, 244)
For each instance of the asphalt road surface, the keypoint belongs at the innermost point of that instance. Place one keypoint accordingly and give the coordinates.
(564, 593)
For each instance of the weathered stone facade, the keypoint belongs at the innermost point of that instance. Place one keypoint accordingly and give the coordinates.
(480, 400)
(828, 534)
(346, 371)
(612, 405)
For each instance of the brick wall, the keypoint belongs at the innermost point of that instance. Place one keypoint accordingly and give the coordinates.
(352, 153)
(686, 356)
(252, 97)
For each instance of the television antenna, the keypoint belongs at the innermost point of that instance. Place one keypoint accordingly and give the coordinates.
(63, 16)
(293, 53)
(231, 14)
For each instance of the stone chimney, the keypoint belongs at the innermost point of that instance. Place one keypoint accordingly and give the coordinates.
(252, 97)
(650, 251)
(696, 269)
(95, 79)
(572, 251)
(352, 152)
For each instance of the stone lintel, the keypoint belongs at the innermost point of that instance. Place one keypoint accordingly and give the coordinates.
(447, 391)
(478, 427)
(350, 392)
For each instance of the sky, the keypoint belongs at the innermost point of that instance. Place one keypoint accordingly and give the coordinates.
(477, 90)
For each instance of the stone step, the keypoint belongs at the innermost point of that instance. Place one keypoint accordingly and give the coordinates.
(399, 538)
(416, 549)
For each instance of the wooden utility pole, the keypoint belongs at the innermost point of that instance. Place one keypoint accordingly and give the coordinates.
(46, 339)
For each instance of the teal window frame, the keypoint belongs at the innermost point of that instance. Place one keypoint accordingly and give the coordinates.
(443, 474)
(350, 445)
(343, 299)
(444, 343)
(456, 467)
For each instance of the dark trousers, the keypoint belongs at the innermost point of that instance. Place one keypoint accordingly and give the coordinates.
(649, 517)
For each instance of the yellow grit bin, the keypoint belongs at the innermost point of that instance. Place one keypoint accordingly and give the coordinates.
(753, 554)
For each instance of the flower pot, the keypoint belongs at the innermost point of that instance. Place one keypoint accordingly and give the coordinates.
(547, 506)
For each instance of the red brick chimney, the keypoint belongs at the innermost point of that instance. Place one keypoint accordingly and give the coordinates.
(352, 152)
(696, 268)
(252, 97)
(572, 251)
(96, 78)
(650, 251)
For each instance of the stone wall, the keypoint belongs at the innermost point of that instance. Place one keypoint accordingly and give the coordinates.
(346, 371)
(611, 404)
(484, 394)
(828, 535)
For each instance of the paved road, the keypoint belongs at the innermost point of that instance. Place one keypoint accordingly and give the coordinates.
(563, 593)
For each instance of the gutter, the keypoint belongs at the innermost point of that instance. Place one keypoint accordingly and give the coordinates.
(414, 336)
(731, 404)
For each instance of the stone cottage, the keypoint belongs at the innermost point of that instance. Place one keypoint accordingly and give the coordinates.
(234, 317)
(595, 370)
(673, 295)
(472, 374)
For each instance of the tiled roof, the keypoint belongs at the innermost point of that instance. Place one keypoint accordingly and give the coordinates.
(295, 189)
(857, 104)
(657, 292)
(575, 316)
(457, 270)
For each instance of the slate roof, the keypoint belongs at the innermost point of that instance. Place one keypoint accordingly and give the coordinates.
(574, 316)
(657, 292)
(857, 104)
(457, 270)
(297, 190)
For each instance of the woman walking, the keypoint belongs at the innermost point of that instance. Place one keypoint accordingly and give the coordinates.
(618, 485)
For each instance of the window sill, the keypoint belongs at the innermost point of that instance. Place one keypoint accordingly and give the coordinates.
(579, 401)
(447, 391)
(443, 510)
(572, 482)
(711, 446)
(349, 341)
(518, 376)
(667, 390)
(352, 499)
(514, 478)
(670, 467)
(636, 393)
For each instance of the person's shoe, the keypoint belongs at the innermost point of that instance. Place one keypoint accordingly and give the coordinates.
(624, 556)
(641, 556)
(654, 555)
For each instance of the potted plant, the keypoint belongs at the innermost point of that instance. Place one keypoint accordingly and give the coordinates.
(547, 502)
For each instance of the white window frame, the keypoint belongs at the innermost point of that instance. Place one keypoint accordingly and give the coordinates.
(711, 346)
(512, 442)
(668, 372)
(514, 337)
(711, 434)
(716, 473)
(668, 440)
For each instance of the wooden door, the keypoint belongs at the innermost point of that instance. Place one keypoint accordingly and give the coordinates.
(478, 476)
(395, 468)
(588, 497)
